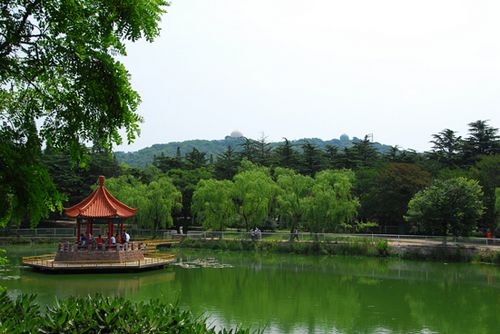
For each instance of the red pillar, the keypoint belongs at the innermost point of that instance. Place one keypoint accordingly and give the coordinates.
(77, 232)
(87, 231)
(110, 230)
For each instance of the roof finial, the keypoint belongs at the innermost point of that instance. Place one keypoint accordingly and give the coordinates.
(101, 181)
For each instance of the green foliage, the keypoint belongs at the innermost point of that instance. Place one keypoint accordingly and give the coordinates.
(487, 171)
(61, 85)
(286, 156)
(186, 180)
(3, 259)
(383, 247)
(363, 153)
(497, 207)
(213, 203)
(349, 247)
(289, 158)
(488, 256)
(483, 140)
(291, 199)
(311, 159)
(98, 314)
(451, 206)
(73, 181)
(447, 146)
(26, 189)
(254, 190)
(155, 202)
(227, 164)
(331, 205)
(385, 191)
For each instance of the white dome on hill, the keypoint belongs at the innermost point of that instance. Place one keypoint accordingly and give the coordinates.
(236, 134)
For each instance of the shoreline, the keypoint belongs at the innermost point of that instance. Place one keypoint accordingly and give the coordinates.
(369, 248)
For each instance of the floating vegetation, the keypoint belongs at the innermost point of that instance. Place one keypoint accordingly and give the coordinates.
(9, 278)
(208, 262)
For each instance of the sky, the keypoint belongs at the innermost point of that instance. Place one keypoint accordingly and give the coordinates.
(398, 69)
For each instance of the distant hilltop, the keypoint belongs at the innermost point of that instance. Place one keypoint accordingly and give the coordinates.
(144, 157)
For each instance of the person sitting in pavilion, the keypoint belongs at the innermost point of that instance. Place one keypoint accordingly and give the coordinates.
(99, 242)
(83, 240)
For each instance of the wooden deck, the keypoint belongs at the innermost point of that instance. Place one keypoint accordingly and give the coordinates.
(47, 263)
(153, 244)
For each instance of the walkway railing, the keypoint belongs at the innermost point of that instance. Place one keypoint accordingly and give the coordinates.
(306, 236)
(57, 234)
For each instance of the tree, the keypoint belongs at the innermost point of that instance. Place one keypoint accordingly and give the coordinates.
(447, 146)
(196, 159)
(332, 159)
(294, 189)
(254, 190)
(497, 208)
(311, 159)
(364, 153)
(331, 205)
(163, 200)
(75, 182)
(447, 207)
(155, 202)
(61, 85)
(166, 163)
(384, 192)
(285, 155)
(487, 171)
(483, 140)
(213, 203)
(262, 151)
(186, 181)
(227, 164)
(248, 150)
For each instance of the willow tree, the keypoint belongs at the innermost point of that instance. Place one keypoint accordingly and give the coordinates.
(294, 189)
(61, 86)
(213, 203)
(155, 201)
(254, 191)
(331, 205)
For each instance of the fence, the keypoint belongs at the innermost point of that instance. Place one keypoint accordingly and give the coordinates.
(306, 236)
(57, 234)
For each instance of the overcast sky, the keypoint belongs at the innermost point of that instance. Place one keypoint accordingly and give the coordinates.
(399, 69)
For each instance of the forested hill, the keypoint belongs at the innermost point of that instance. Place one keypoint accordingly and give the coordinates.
(145, 156)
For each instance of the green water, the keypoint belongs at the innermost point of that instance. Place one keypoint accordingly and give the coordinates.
(297, 294)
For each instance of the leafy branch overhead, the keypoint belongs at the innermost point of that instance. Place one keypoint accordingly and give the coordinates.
(62, 85)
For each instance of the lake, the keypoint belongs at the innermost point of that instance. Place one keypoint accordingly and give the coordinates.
(292, 293)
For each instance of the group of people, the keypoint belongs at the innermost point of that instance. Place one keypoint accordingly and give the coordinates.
(255, 233)
(123, 238)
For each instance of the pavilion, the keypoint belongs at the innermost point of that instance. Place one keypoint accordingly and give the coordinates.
(99, 208)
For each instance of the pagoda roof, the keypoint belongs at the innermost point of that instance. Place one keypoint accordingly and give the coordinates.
(100, 204)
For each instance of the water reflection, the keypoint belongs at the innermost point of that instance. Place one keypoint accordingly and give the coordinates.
(304, 294)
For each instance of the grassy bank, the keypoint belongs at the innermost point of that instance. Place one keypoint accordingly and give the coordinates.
(98, 315)
(350, 247)
(363, 247)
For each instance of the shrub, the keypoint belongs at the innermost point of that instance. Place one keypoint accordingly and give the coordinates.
(383, 248)
(98, 315)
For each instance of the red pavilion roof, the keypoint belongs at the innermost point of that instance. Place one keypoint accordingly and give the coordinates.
(100, 204)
